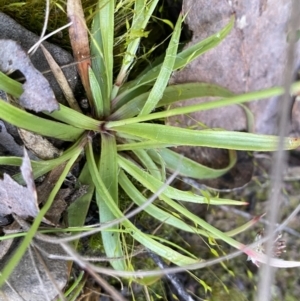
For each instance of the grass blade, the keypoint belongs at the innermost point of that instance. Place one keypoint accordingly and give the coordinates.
(39, 168)
(153, 210)
(141, 237)
(165, 71)
(148, 163)
(102, 39)
(212, 231)
(142, 13)
(30, 122)
(147, 144)
(97, 94)
(166, 217)
(153, 184)
(238, 99)
(78, 209)
(10, 86)
(74, 118)
(190, 168)
(108, 170)
(106, 15)
(171, 95)
(80, 42)
(182, 59)
(209, 138)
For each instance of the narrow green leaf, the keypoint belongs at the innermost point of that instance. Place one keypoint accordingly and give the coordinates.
(191, 53)
(190, 168)
(119, 103)
(156, 212)
(186, 91)
(10, 86)
(78, 209)
(142, 13)
(156, 156)
(102, 39)
(11, 161)
(108, 170)
(165, 71)
(171, 95)
(182, 58)
(76, 288)
(147, 144)
(250, 118)
(158, 60)
(36, 124)
(205, 286)
(153, 210)
(74, 118)
(97, 95)
(209, 138)
(141, 237)
(148, 163)
(39, 168)
(148, 183)
(98, 61)
(154, 184)
(107, 17)
(244, 227)
(238, 99)
(97, 55)
(124, 137)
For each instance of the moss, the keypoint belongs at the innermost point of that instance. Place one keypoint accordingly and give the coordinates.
(95, 243)
(232, 295)
(31, 14)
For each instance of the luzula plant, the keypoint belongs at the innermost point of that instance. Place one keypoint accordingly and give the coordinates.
(124, 145)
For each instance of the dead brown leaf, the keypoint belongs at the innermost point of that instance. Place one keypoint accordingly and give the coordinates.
(80, 42)
(61, 79)
(38, 95)
(40, 146)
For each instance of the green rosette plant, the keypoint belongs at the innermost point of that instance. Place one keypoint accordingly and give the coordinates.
(124, 144)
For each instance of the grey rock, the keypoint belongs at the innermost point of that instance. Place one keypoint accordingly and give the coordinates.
(12, 30)
(8, 142)
(24, 283)
(252, 57)
(37, 94)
